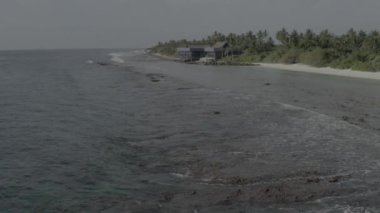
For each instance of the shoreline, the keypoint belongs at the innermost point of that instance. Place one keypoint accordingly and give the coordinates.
(299, 68)
(173, 58)
(322, 70)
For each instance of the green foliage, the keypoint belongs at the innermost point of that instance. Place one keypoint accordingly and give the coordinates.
(291, 56)
(362, 66)
(168, 48)
(351, 50)
(275, 55)
(316, 57)
(376, 63)
(283, 37)
(244, 59)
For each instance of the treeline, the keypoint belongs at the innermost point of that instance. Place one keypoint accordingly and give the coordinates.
(249, 42)
(356, 50)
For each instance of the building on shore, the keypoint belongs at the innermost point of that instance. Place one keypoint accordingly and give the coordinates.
(217, 51)
(192, 53)
(195, 53)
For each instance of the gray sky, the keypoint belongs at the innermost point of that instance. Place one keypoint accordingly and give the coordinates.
(31, 24)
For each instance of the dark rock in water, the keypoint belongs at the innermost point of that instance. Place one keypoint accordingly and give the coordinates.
(235, 181)
(167, 197)
(268, 84)
(335, 179)
(155, 77)
(313, 180)
(217, 113)
(345, 118)
(232, 197)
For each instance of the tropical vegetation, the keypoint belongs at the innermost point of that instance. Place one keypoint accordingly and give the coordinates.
(357, 50)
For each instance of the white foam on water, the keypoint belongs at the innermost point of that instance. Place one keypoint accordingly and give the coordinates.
(116, 57)
(178, 175)
(182, 176)
(90, 62)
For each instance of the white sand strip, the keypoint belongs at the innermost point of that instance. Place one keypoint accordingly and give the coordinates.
(324, 70)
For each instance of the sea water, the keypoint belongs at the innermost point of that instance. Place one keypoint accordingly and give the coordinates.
(131, 133)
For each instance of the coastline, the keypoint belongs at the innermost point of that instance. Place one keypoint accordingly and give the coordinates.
(173, 58)
(323, 70)
(300, 68)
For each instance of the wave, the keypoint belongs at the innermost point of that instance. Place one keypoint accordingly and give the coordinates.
(117, 58)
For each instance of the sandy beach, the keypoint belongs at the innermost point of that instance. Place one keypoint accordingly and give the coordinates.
(303, 68)
(324, 70)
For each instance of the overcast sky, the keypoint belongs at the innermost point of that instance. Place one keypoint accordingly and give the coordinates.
(31, 24)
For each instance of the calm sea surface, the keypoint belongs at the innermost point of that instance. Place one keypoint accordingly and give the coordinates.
(138, 134)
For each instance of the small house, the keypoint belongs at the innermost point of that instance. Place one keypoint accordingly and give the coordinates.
(215, 53)
(194, 53)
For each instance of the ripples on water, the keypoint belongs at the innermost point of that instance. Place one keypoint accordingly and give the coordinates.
(78, 136)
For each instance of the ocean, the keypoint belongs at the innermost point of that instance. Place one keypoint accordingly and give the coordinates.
(122, 131)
